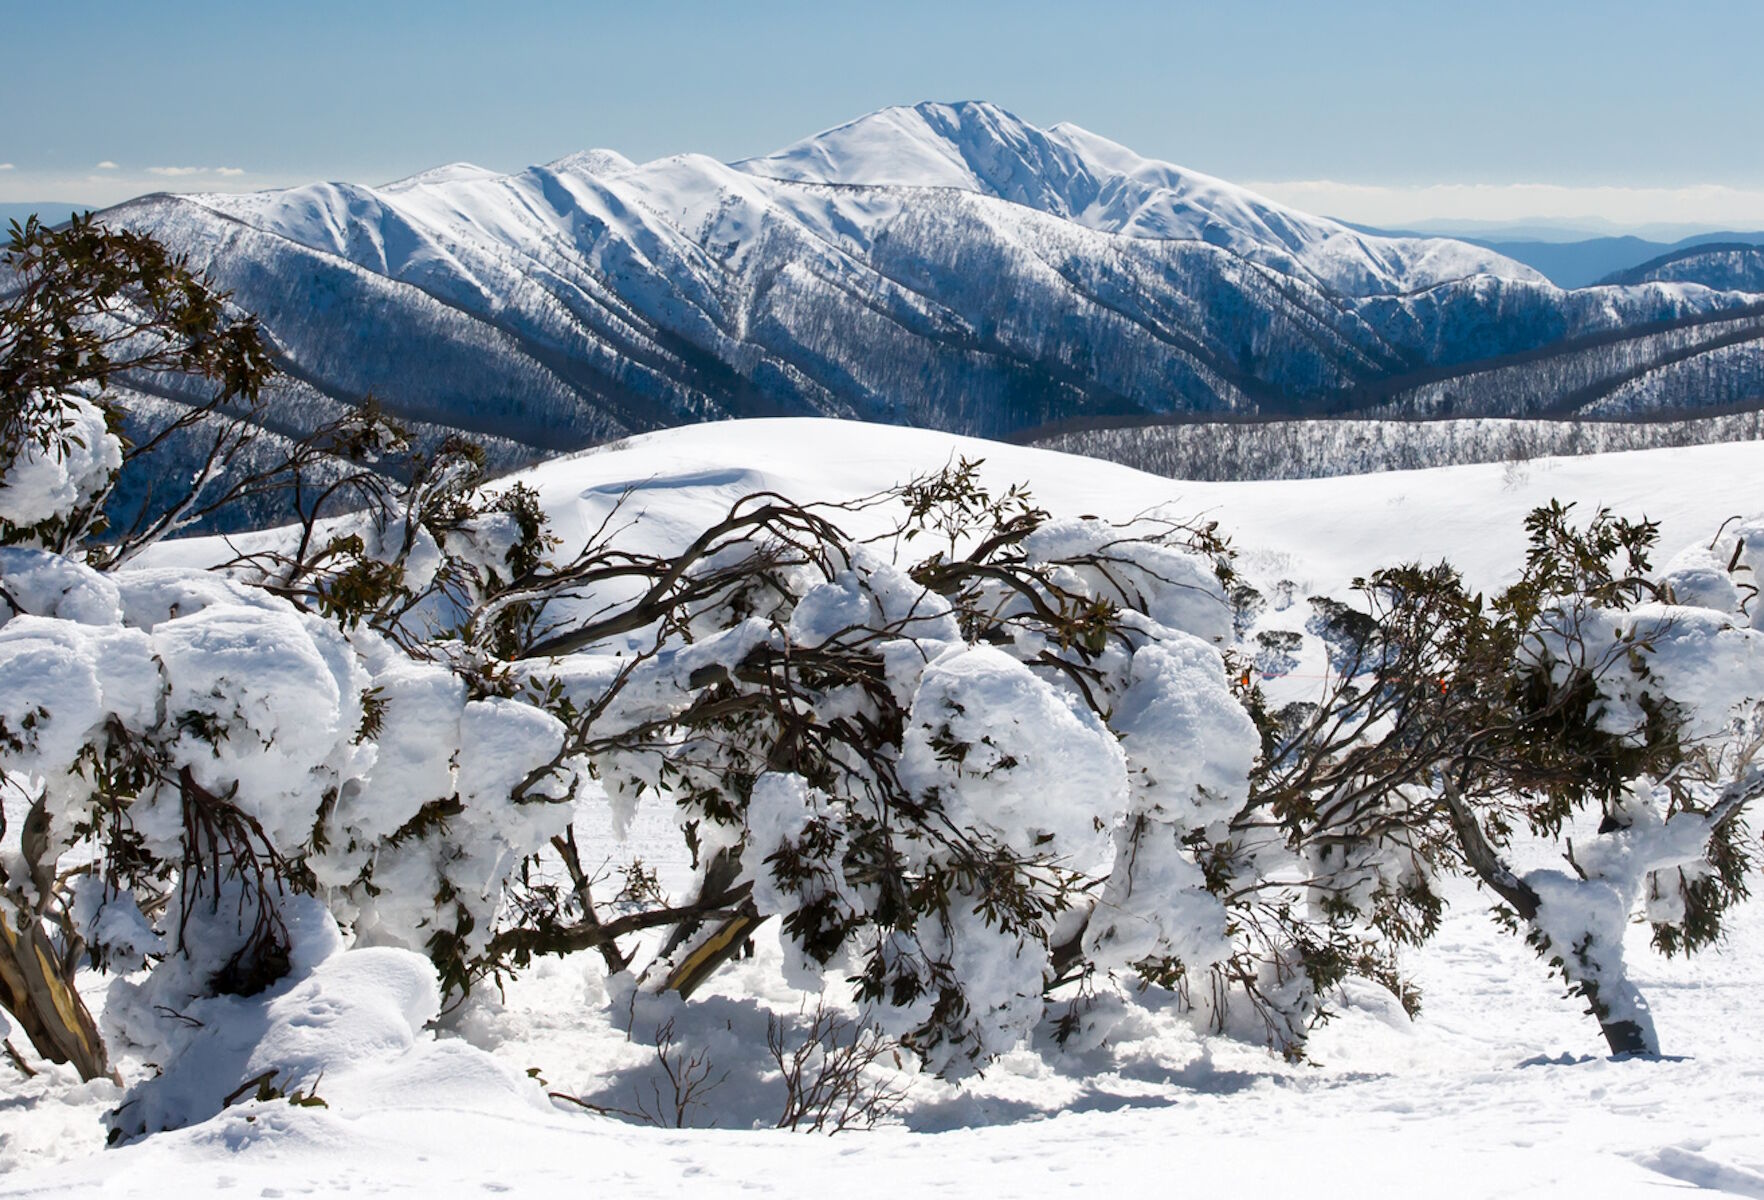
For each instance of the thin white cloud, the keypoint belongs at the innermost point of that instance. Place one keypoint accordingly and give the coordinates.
(107, 165)
(90, 187)
(225, 172)
(1390, 205)
(7, 167)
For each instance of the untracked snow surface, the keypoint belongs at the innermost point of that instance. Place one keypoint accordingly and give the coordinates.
(1328, 530)
(1500, 1088)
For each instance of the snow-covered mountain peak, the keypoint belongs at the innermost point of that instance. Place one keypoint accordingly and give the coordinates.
(971, 145)
(598, 161)
(449, 173)
(976, 146)
(1069, 172)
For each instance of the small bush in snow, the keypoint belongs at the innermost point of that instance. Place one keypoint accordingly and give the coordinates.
(832, 1069)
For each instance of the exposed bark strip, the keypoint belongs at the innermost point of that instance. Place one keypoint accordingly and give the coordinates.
(722, 945)
(50, 1011)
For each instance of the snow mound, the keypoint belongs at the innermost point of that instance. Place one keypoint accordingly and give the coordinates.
(350, 1027)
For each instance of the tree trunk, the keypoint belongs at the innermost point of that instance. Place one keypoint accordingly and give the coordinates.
(34, 990)
(723, 944)
(1626, 1037)
(709, 950)
(1621, 1011)
(1622, 1015)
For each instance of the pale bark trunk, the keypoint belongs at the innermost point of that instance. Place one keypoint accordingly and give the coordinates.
(42, 999)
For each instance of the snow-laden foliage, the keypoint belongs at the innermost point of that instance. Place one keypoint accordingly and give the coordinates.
(172, 735)
(43, 482)
(913, 762)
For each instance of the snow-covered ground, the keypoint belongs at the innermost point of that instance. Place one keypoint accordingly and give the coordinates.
(1500, 1088)
(1326, 530)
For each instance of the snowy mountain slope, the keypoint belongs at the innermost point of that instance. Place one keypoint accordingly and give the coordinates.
(1243, 450)
(1724, 266)
(1500, 1088)
(943, 266)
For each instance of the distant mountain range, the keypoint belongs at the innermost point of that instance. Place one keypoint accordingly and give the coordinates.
(52, 212)
(945, 265)
(1584, 262)
(1731, 266)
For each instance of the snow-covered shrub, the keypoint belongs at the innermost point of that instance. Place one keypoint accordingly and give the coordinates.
(183, 749)
(978, 784)
(1608, 712)
(175, 736)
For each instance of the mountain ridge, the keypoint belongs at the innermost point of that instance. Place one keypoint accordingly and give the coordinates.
(1068, 171)
(1731, 266)
(1023, 277)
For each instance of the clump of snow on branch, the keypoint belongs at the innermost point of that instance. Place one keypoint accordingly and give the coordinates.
(46, 480)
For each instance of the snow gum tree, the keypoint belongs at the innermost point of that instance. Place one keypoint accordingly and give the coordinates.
(183, 749)
(961, 780)
(1591, 706)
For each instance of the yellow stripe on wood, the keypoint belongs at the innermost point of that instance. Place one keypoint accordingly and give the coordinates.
(685, 976)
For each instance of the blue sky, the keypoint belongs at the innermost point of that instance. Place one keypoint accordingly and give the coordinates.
(1640, 110)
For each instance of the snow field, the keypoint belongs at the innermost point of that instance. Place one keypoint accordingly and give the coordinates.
(1499, 1089)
